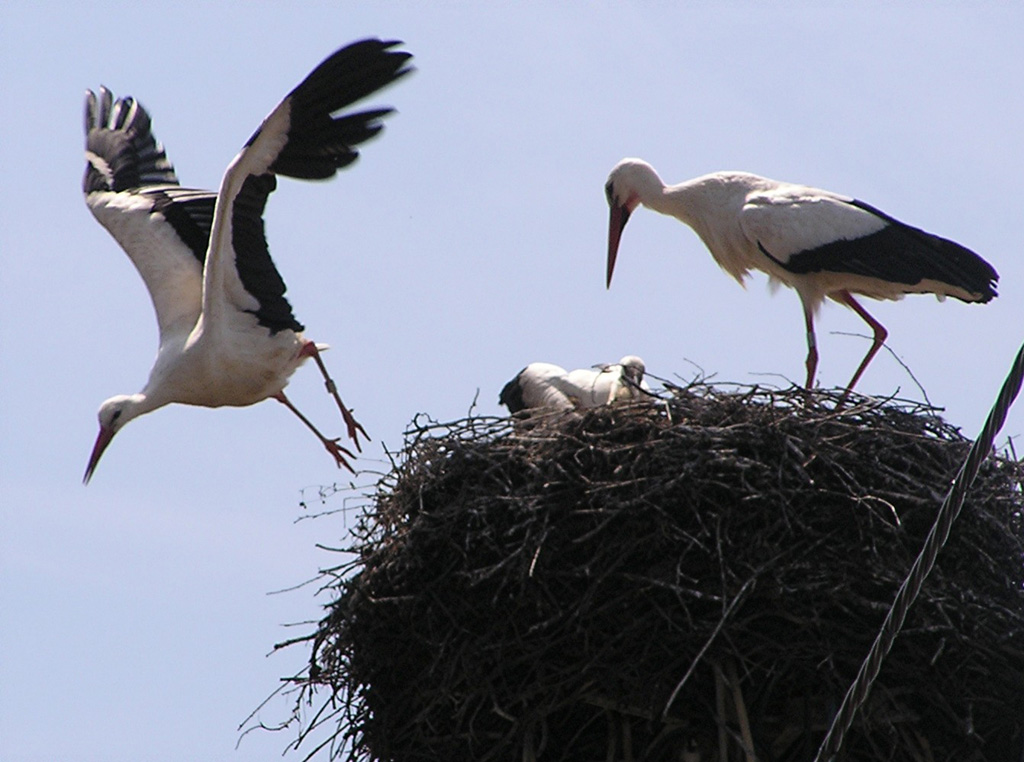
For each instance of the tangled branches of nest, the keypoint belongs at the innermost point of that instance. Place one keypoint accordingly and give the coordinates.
(696, 578)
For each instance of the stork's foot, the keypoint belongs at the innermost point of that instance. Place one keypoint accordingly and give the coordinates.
(309, 349)
(338, 453)
(336, 450)
(354, 427)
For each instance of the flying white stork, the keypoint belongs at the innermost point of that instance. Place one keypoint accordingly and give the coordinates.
(544, 386)
(819, 243)
(227, 333)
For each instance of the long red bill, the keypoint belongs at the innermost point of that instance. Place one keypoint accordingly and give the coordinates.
(616, 223)
(104, 438)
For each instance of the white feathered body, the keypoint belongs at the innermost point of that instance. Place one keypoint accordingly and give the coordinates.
(544, 386)
(228, 361)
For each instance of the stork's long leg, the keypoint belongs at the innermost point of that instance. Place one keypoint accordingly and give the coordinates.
(337, 451)
(354, 427)
(881, 335)
(812, 348)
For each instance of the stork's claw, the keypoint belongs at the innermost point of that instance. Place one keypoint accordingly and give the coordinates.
(354, 427)
(338, 453)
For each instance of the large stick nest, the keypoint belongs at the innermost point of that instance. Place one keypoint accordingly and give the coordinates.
(697, 578)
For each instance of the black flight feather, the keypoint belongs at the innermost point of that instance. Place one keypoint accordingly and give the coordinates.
(899, 253)
(252, 256)
(119, 135)
(189, 212)
(319, 144)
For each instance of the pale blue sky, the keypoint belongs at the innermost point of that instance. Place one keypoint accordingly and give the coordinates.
(467, 241)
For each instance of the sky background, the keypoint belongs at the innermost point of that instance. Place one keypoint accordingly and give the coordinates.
(136, 614)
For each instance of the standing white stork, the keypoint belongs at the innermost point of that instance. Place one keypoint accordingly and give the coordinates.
(227, 333)
(544, 386)
(819, 243)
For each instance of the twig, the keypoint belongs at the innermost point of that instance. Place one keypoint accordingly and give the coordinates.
(707, 644)
(895, 356)
(741, 711)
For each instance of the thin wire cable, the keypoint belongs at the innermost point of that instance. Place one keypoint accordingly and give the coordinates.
(911, 587)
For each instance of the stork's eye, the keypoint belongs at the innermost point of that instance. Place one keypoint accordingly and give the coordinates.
(609, 192)
(116, 415)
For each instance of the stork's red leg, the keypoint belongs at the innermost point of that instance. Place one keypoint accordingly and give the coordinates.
(812, 348)
(354, 427)
(879, 339)
(337, 451)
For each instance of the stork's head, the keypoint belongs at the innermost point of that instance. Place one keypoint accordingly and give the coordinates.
(630, 183)
(113, 415)
(633, 367)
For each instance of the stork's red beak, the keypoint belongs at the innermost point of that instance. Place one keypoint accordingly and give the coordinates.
(616, 223)
(104, 438)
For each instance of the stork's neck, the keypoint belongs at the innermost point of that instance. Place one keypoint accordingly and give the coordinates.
(141, 403)
(160, 388)
(122, 408)
(689, 201)
(711, 205)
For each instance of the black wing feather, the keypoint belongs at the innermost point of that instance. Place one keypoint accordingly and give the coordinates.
(252, 256)
(318, 144)
(512, 394)
(119, 133)
(900, 253)
(189, 212)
